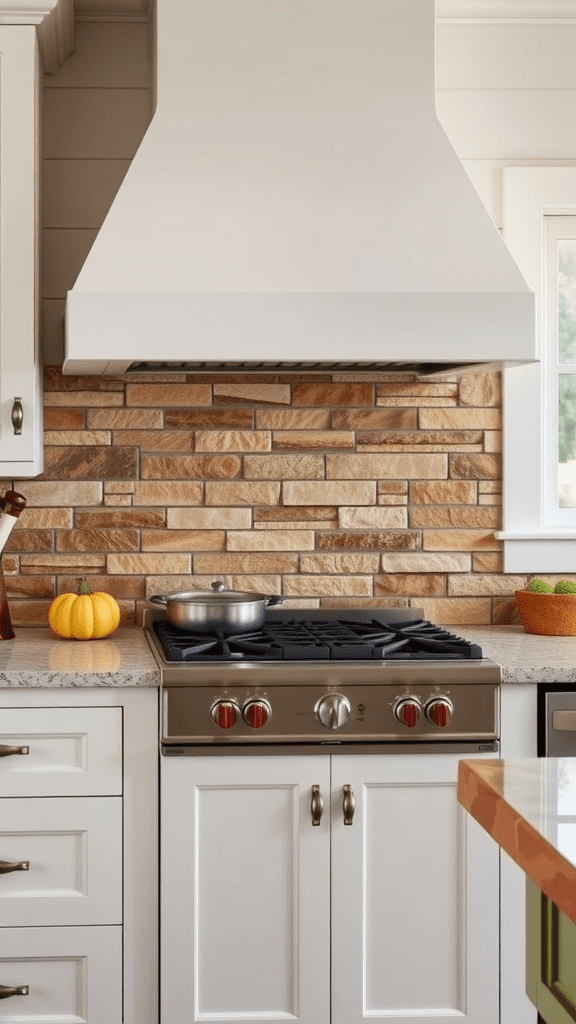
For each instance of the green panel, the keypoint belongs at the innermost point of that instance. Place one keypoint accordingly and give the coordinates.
(533, 939)
(550, 958)
(565, 966)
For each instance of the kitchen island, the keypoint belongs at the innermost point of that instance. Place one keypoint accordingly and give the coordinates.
(528, 806)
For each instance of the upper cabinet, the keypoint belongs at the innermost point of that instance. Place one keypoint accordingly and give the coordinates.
(32, 38)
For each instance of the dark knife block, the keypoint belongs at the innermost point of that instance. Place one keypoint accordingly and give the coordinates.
(6, 631)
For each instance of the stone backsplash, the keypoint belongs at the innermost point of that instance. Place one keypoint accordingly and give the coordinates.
(333, 490)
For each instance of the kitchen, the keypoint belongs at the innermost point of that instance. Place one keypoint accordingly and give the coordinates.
(390, 486)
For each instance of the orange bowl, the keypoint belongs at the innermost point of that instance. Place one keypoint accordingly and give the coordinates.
(547, 614)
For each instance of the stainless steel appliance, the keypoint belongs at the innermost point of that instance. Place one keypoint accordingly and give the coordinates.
(346, 679)
(556, 704)
(265, 858)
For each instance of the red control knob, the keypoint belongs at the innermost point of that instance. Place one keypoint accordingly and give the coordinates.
(439, 711)
(225, 713)
(407, 711)
(256, 712)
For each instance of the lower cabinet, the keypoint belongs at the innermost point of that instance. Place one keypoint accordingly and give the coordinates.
(78, 857)
(61, 975)
(327, 890)
(550, 958)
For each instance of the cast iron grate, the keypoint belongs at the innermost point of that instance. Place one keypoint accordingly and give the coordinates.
(335, 640)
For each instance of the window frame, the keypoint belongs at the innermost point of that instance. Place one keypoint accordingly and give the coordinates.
(531, 544)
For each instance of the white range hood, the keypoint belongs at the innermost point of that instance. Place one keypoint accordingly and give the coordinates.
(296, 202)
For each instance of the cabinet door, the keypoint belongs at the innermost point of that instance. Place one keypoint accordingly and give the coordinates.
(20, 453)
(245, 911)
(73, 849)
(415, 896)
(73, 975)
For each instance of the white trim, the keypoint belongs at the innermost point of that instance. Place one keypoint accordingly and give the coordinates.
(55, 22)
(531, 544)
(505, 10)
(56, 36)
(542, 535)
(540, 555)
(22, 12)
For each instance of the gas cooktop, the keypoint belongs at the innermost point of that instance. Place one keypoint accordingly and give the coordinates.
(335, 639)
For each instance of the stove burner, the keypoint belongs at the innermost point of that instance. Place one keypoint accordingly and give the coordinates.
(333, 640)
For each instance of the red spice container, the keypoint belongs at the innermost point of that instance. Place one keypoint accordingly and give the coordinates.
(11, 505)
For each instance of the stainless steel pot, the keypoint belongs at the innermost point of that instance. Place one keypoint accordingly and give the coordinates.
(217, 610)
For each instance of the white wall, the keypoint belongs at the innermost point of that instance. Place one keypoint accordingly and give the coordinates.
(506, 94)
(96, 110)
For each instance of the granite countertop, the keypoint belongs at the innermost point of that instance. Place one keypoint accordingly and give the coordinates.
(525, 657)
(37, 658)
(528, 806)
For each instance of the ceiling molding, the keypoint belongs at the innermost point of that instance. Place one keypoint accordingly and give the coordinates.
(506, 10)
(54, 20)
(56, 36)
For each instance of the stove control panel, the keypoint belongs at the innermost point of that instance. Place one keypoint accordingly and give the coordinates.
(246, 713)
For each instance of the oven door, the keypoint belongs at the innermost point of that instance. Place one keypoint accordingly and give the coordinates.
(556, 719)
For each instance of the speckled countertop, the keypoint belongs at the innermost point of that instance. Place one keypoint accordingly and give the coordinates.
(525, 657)
(528, 806)
(36, 657)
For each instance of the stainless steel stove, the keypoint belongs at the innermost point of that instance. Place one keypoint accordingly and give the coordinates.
(342, 679)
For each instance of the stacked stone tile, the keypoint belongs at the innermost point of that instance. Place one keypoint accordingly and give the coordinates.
(344, 490)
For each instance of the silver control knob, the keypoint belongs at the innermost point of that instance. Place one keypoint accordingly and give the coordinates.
(439, 711)
(407, 711)
(333, 710)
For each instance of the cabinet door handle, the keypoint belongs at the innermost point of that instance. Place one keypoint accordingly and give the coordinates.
(17, 415)
(6, 866)
(564, 720)
(316, 805)
(6, 750)
(13, 990)
(348, 804)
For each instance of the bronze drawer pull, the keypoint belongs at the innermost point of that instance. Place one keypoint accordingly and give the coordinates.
(6, 750)
(13, 990)
(6, 866)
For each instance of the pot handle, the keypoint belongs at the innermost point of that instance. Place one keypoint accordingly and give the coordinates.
(274, 599)
(158, 599)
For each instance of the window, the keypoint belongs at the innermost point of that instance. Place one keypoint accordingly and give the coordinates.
(539, 529)
(560, 290)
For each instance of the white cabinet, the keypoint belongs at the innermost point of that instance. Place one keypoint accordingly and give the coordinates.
(266, 916)
(61, 861)
(20, 368)
(72, 975)
(61, 751)
(78, 856)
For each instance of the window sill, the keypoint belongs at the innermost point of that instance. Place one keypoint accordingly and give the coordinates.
(552, 551)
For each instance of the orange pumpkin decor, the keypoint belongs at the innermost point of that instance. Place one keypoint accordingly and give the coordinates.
(84, 616)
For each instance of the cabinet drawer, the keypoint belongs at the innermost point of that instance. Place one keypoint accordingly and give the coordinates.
(71, 751)
(74, 852)
(72, 974)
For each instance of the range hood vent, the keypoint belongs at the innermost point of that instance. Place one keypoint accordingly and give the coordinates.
(295, 203)
(420, 369)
